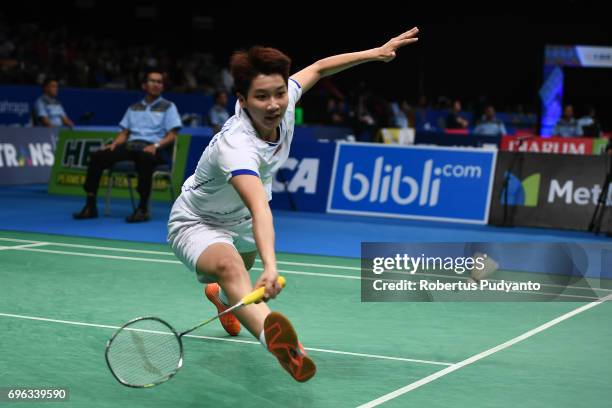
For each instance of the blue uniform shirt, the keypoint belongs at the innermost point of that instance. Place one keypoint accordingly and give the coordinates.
(218, 115)
(490, 127)
(50, 108)
(567, 128)
(151, 122)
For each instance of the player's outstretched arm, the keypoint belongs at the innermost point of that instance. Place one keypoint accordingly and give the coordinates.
(337, 63)
(253, 194)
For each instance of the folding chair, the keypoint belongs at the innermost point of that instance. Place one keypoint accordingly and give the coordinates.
(128, 168)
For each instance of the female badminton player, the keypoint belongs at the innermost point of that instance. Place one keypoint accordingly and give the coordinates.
(222, 218)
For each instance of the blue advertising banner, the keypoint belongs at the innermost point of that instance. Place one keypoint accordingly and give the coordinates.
(196, 148)
(302, 183)
(431, 183)
(92, 106)
(26, 155)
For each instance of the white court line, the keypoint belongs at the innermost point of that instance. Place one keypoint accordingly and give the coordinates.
(36, 244)
(104, 326)
(355, 268)
(169, 261)
(311, 265)
(127, 258)
(285, 271)
(101, 248)
(169, 253)
(480, 356)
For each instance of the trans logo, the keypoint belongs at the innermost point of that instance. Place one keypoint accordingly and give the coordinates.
(30, 155)
(449, 184)
(523, 193)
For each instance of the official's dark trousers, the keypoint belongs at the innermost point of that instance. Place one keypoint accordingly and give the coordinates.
(144, 162)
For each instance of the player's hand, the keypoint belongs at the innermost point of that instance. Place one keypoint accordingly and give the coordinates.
(110, 146)
(387, 51)
(269, 280)
(150, 149)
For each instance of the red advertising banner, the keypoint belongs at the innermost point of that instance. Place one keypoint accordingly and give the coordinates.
(561, 145)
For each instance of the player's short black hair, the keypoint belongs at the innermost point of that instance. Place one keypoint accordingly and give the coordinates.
(148, 71)
(246, 65)
(48, 80)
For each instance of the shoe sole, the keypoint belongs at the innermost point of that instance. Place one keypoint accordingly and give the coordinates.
(283, 343)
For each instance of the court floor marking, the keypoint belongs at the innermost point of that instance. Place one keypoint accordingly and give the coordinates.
(284, 271)
(480, 356)
(36, 244)
(316, 265)
(102, 248)
(279, 262)
(104, 326)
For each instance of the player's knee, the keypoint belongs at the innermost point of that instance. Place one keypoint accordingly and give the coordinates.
(229, 268)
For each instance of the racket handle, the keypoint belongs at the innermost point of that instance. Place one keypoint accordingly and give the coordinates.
(258, 294)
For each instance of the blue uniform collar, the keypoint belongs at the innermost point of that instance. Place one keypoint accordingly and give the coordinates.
(49, 99)
(144, 101)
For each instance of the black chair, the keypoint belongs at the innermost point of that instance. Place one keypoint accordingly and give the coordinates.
(128, 169)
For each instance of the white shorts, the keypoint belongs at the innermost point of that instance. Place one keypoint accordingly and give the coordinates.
(189, 235)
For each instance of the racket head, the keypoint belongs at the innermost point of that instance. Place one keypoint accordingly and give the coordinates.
(144, 352)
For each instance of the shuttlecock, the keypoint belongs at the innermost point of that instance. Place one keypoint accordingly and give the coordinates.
(489, 267)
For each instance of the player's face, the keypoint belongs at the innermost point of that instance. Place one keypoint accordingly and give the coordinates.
(154, 85)
(52, 89)
(266, 102)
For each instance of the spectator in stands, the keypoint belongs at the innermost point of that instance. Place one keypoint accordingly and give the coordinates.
(402, 115)
(454, 120)
(218, 114)
(522, 119)
(48, 110)
(409, 112)
(336, 112)
(421, 119)
(489, 125)
(589, 124)
(567, 126)
(148, 131)
(364, 123)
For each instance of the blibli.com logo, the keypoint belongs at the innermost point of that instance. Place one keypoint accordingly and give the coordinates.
(388, 182)
(524, 193)
(446, 184)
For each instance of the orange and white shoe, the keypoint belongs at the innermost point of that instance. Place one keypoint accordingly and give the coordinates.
(229, 321)
(282, 341)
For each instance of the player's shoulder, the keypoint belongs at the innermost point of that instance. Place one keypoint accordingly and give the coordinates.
(236, 131)
(137, 107)
(293, 83)
(162, 106)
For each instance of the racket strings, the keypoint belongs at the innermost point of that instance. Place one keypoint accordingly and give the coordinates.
(146, 352)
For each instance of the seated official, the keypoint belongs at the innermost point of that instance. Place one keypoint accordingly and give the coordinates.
(149, 129)
(48, 110)
(567, 126)
(490, 125)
